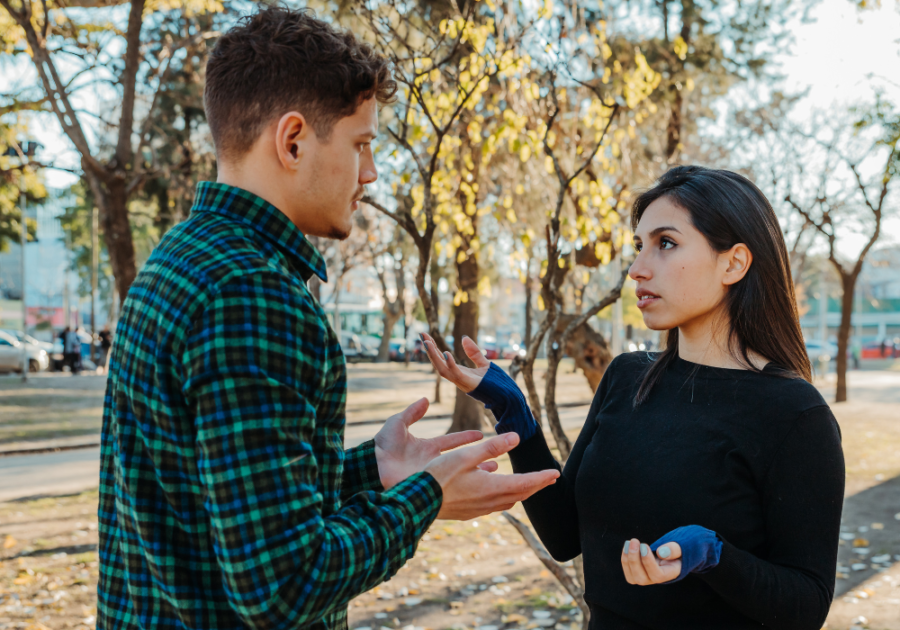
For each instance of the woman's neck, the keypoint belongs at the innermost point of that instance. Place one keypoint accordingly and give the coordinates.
(706, 341)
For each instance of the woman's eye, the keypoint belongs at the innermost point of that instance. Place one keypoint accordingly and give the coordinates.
(638, 247)
(665, 243)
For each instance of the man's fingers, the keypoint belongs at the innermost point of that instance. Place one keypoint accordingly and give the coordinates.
(453, 440)
(520, 486)
(489, 466)
(474, 352)
(415, 411)
(495, 447)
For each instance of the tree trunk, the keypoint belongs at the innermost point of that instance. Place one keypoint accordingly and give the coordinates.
(528, 311)
(673, 130)
(468, 413)
(112, 203)
(392, 315)
(588, 348)
(848, 283)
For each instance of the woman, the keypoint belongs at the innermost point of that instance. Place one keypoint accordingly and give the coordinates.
(705, 489)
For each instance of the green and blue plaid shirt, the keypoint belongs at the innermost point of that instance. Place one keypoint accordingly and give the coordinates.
(227, 499)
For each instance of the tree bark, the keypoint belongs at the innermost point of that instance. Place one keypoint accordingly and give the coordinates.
(468, 413)
(392, 315)
(848, 282)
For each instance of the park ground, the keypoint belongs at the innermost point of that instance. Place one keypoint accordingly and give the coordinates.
(472, 575)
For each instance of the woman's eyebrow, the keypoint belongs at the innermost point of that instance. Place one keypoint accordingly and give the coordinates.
(665, 228)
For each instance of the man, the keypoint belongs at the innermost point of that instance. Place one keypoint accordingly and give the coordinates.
(226, 497)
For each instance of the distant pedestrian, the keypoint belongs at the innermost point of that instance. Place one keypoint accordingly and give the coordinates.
(105, 344)
(883, 348)
(72, 350)
(855, 352)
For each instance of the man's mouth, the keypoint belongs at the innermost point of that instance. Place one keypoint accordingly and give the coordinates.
(646, 298)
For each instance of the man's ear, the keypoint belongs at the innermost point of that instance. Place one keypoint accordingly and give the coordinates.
(739, 259)
(292, 137)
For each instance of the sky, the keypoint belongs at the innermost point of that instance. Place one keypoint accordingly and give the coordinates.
(839, 55)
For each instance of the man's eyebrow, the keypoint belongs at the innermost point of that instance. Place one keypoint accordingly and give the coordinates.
(367, 135)
(664, 228)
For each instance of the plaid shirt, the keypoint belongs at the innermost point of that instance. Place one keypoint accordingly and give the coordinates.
(226, 497)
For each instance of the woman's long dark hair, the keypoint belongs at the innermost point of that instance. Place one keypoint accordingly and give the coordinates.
(729, 209)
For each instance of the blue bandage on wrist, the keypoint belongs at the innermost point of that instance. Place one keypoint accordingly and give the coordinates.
(701, 549)
(502, 396)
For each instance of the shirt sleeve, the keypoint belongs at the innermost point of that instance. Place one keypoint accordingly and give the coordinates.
(802, 495)
(254, 363)
(360, 471)
(499, 393)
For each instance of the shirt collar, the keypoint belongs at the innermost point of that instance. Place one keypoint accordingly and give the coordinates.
(267, 220)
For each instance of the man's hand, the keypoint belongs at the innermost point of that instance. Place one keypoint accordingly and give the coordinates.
(469, 491)
(400, 454)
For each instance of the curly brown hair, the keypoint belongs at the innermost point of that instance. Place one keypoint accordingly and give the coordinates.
(279, 60)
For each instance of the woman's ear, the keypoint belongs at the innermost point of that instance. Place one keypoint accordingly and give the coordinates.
(739, 260)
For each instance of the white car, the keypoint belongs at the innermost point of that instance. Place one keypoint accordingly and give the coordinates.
(11, 355)
(823, 351)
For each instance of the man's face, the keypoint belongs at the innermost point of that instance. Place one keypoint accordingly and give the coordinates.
(338, 171)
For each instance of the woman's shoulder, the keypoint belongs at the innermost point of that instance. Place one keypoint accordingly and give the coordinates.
(791, 393)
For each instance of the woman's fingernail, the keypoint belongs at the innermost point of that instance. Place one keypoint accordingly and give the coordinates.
(627, 545)
(644, 550)
(663, 552)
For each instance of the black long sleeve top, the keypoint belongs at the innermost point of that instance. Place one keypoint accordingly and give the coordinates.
(755, 457)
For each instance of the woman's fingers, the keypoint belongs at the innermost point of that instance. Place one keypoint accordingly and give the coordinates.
(655, 573)
(669, 551)
(641, 566)
(474, 352)
(633, 558)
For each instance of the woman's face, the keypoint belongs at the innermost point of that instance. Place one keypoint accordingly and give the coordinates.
(681, 280)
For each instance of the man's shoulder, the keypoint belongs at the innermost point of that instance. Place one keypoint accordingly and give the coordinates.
(194, 261)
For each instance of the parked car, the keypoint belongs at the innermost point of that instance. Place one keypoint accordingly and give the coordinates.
(355, 351)
(823, 351)
(397, 350)
(18, 334)
(11, 355)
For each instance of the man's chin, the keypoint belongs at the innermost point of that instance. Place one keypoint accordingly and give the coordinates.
(339, 234)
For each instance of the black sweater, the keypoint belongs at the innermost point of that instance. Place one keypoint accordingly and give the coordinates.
(754, 457)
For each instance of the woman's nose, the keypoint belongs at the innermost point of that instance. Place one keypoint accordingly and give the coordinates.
(638, 269)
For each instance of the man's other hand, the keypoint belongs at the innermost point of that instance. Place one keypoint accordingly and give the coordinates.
(400, 454)
(469, 491)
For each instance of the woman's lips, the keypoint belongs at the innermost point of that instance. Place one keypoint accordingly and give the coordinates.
(646, 298)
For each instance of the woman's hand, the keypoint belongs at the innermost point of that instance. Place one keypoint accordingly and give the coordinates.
(642, 567)
(463, 377)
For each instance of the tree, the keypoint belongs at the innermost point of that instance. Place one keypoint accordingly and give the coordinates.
(700, 49)
(389, 254)
(342, 257)
(19, 174)
(445, 63)
(48, 31)
(843, 192)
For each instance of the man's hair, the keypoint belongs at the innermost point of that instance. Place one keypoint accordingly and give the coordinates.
(279, 60)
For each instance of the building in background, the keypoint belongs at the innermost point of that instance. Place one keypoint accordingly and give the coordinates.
(51, 291)
(876, 305)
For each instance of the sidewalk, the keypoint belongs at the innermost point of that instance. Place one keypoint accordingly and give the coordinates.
(54, 411)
